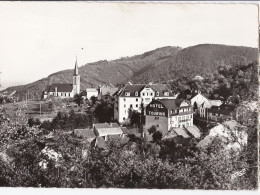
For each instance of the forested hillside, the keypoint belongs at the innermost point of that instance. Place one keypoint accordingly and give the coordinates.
(160, 65)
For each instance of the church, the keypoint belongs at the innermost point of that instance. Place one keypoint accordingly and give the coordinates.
(64, 90)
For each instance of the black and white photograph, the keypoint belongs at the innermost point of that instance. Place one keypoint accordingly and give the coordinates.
(129, 95)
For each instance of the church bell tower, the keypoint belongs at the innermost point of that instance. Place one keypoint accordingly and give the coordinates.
(76, 79)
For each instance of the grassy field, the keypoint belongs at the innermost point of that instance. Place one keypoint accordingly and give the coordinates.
(34, 109)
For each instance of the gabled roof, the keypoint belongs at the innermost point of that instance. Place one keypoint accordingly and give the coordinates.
(108, 90)
(125, 130)
(195, 94)
(105, 129)
(161, 88)
(170, 134)
(171, 104)
(132, 89)
(180, 131)
(194, 131)
(60, 87)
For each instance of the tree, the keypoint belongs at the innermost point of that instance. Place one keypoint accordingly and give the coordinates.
(135, 117)
(30, 122)
(157, 136)
(46, 125)
(152, 129)
(104, 112)
(78, 99)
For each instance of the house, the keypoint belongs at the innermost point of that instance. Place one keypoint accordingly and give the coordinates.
(64, 90)
(91, 92)
(202, 104)
(136, 97)
(105, 130)
(220, 113)
(107, 92)
(166, 114)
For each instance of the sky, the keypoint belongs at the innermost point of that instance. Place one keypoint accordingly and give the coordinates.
(40, 38)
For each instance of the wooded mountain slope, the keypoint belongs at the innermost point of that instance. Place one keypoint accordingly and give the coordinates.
(159, 65)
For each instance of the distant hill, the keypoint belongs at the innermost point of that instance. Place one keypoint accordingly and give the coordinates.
(159, 65)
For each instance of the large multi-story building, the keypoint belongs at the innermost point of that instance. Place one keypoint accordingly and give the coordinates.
(169, 113)
(64, 90)
(136, 97)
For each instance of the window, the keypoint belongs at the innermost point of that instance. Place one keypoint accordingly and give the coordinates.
(131, 106)
(156, 118)
(124, 99)
(157, 93)
(124, 105)
(136, 93)
(127, 93)
(137, 99)
(151, 94)
(65, 94)
(157, 125)
(136, 105)
(123, 118)
(166, 93)
(143, 94)
(190, 116)
(69, 94)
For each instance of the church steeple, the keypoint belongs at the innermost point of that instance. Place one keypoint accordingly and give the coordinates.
(76, 69)
(76, 79)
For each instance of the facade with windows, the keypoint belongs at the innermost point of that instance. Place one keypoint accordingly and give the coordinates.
(168, 113)
(136, 97)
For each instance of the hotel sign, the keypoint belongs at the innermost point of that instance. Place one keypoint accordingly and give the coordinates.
(156, 108)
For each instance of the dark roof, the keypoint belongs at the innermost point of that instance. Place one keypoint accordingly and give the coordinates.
(108, 90)
(222, 109)
(171, 104)
(132, 89)
(60, 87)
(161, 88)
(76, 69)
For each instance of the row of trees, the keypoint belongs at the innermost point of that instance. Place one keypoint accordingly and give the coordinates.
(136, 164)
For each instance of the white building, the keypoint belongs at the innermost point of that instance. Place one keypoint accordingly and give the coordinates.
(137, 96)
(64, 90)
(91, 92)
(201, 104)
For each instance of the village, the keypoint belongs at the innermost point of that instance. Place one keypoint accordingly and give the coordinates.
(150, 111)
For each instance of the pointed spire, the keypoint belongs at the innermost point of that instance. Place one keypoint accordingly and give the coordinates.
(76, 71)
